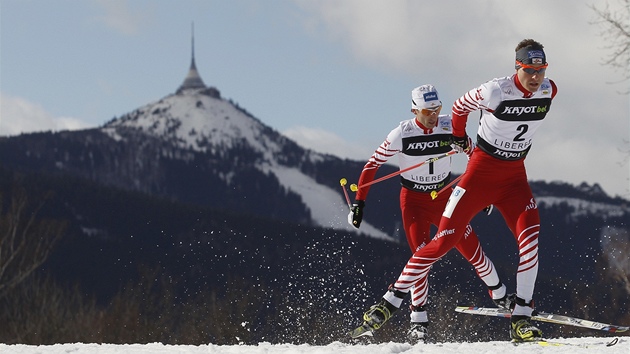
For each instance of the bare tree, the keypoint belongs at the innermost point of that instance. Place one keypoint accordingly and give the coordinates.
(25, 240)
(615, 30)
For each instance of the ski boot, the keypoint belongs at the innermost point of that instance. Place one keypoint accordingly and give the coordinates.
(378, 314)
(418, 333)
(374, 318)
(506, 302)
(521, 330)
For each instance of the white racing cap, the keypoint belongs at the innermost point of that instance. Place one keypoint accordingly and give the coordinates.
(425, 96)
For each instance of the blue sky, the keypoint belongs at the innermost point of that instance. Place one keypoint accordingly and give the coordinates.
(334, 75)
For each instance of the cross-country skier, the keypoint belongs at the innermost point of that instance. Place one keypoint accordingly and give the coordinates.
(415, 140)
(513, 108)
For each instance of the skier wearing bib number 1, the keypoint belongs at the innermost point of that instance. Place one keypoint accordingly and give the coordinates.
(413, 141)
(513, 108)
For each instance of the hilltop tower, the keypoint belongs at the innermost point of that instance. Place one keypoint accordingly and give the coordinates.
(193, 80)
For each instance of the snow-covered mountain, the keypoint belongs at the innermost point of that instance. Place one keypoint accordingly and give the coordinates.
(199, 120)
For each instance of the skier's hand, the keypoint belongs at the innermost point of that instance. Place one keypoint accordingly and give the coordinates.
(356, 213)
(463, 144)
(471, 148)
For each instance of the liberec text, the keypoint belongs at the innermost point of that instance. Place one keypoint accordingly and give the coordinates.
(430, 178)
(521, 145)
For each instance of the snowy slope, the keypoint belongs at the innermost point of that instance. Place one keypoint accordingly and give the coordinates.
(200, 122)
(595, 346)
(327, 208)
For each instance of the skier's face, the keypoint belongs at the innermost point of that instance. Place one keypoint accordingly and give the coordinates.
(531, 76)
(428, 117)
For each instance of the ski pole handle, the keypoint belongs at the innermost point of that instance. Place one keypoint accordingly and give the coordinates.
(343, 182)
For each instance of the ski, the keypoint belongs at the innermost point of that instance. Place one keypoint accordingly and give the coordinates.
(551, 343)
(361, 331)
(544, 317)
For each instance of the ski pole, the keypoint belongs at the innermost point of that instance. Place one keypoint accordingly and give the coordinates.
(434, 194)
(394, 174)
(343, 182)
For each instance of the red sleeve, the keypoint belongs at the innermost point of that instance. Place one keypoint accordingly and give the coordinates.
(459, 116)
(367, 175)
(378, 158)
(459, 124)
(462, 107)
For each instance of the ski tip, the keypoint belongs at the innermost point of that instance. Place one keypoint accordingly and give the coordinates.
(613, 342)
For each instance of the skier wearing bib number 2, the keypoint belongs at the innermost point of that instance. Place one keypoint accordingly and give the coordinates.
(513, 108)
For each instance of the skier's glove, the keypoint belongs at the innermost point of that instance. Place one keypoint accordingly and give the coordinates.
(463, 144)
(356, 213)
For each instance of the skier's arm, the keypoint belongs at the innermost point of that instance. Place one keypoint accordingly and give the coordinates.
(461, 109)
(384, 152)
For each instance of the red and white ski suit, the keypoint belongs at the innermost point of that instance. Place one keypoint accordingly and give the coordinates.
(414, 143)
(495, 174)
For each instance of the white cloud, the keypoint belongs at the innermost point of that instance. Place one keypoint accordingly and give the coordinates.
(409, 36)
(18, 115)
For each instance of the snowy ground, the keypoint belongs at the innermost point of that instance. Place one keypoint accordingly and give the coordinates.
(577, 345)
